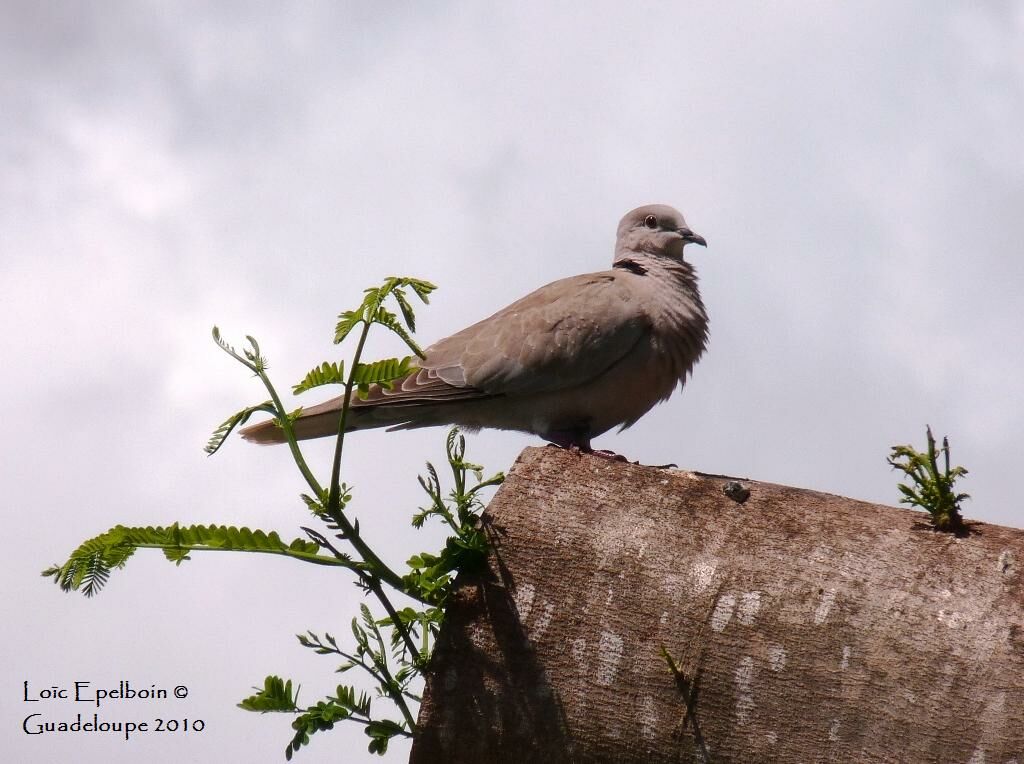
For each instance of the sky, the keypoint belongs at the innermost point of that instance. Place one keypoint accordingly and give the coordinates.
(856, 169)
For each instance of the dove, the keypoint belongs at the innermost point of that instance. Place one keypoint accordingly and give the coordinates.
(568, 362)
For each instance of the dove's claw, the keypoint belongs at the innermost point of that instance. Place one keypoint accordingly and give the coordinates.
(579, 450)
(606, 454)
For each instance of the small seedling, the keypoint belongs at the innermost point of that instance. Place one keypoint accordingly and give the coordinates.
(932, 490)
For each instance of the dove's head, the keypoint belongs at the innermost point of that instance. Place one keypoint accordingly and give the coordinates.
(654, 229)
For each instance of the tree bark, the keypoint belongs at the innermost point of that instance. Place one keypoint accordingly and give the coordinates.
(804, 627)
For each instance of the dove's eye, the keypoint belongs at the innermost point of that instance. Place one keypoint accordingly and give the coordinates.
(650, 221)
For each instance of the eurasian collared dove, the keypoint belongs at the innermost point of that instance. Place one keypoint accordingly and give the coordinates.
(567, 362)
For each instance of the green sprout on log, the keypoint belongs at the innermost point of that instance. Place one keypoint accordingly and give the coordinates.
(932, 489)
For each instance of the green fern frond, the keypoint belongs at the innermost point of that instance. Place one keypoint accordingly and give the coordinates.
(177, 555)
(383, 372)
(233, 421)
(326, 373)
(325, 714)
(395, 286)
(250, 356)
(420, 287)
(221, 342)
(316, 506)
(375, 297)
(313, 642)
(408, 314)
(345, 696)
(369, 310)
(364, 314)
(387, 319)
(381, 731)
(319, 506)
(88, 568)
(347, 321)
(276, 695)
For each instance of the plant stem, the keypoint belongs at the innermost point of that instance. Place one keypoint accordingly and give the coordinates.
(391, 684)
(303, 556)
(334, 500)
(356, 661)
(289, 433)
(337, 515)
(373, 584)
(379, 568)
(334, 497)
(376, 588)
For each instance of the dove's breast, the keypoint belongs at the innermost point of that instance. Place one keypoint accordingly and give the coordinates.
(647, 375)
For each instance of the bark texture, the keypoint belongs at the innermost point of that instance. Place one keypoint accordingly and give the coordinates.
(806, 627)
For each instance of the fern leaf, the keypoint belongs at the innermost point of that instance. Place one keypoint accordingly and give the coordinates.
(316, 506)
(420, 287)
(222, 343)
(408, 315)
(250, 356)
(92, 574)
(177, 555)
(233, 421)
(347, 321)
(88, 568)
(322, 716)
(375, 297)
(326, 373)
(382, 372)
(386, 318)
(381, 731)
(252, 353)
(276, 695)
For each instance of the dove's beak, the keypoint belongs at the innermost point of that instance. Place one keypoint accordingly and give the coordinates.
(689, 237)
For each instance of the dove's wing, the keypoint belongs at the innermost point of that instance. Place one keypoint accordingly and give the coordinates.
(558, 337)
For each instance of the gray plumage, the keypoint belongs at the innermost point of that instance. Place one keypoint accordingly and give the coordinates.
(567, 362)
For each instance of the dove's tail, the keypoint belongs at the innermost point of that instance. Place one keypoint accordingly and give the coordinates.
(322, 421)
(317, 426)
(421, 399)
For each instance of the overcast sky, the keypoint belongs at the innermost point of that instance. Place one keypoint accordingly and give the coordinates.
(857, 170)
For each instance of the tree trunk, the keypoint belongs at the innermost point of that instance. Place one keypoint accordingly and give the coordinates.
(804, 627)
